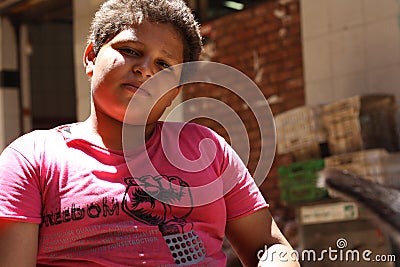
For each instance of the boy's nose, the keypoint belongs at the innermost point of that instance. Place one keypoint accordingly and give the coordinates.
(144, 69)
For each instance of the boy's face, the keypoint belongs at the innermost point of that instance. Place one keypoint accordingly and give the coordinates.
(128, 60)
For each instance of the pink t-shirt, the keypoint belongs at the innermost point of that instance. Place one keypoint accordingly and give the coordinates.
(93, 204)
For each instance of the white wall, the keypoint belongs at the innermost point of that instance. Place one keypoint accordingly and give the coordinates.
(83, 14)
(9, 96)
(350, 47)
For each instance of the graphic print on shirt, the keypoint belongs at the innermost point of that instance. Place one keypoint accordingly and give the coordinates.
(185, 245)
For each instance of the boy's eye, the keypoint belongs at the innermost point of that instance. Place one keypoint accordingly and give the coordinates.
(129, 51)
(164, 65)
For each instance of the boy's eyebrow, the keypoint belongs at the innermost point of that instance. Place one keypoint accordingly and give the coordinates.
(129, 40)
(142, 45)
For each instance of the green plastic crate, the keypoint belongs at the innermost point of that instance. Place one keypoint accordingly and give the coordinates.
(302, 193)
(300, 173)
(298, 181)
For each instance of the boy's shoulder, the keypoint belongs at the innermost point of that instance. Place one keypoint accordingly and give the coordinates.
(37, 138)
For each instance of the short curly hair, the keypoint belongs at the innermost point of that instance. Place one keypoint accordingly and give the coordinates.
(115, 16)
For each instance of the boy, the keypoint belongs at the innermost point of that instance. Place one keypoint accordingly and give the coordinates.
(67, 195)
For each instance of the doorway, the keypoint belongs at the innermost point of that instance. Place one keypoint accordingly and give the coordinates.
(52, 74)
(45, 32)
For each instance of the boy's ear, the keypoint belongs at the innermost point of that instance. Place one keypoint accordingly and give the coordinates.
(89, 59)
(178, 90)
(175, 93)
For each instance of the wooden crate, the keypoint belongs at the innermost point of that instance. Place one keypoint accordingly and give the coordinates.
(300, 132)
(361, 122)
(308, 151)
(365, 163)
(391, 170)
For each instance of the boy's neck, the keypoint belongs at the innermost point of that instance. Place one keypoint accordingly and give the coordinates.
(107, 132)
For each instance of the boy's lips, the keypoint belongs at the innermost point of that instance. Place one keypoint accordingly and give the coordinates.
(136, 88)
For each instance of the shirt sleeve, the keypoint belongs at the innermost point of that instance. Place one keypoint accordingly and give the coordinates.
(20, 195)
(243, 196)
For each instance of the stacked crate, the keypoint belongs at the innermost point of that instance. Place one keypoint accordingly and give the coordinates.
(354, 134)
(361, 122)
(298, 181)
(300, 133)
(360, 135)
(391, 170)
(376, 165)
(364, 163)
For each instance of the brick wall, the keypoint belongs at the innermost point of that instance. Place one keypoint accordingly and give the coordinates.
(264, 43)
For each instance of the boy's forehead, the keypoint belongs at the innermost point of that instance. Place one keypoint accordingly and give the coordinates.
(130, 33)
(167, 38)
(134, 31)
